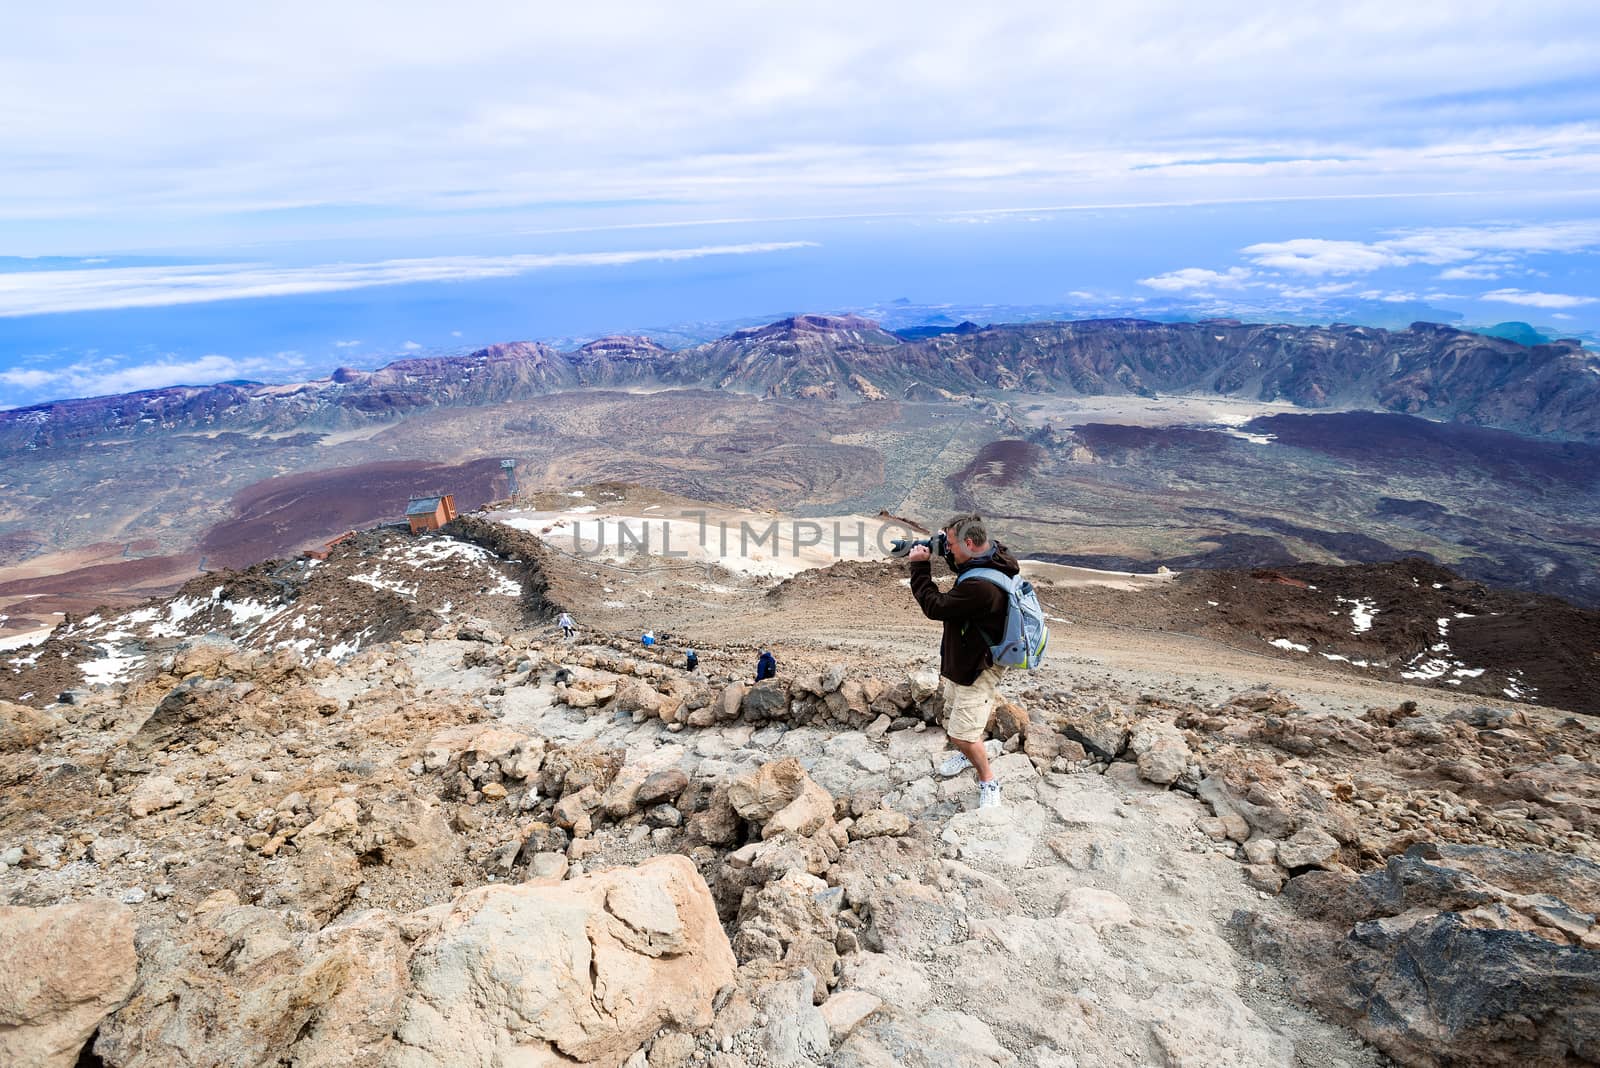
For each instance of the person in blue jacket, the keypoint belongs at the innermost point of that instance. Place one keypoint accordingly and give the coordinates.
(691, 660)
(766, 665)
(647, 639)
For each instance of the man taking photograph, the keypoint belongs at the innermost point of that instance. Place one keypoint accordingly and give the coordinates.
(974, 615)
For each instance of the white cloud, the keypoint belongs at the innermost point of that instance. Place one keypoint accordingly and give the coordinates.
(1312, 292)
(411, 346)
(42, 292)
(1197, 278)
(1536, 299)
(138, 128)
(1487, 247)
(346, 344)
(1483, 273)
(27, 379)
(108, 376)
(1319, 256)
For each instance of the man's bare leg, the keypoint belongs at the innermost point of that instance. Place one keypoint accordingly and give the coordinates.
(975, 752)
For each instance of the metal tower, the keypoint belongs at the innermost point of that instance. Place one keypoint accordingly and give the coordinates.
(510, 468)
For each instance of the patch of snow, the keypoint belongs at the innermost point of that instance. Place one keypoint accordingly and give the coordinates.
(441, 549)
(1213, 604)
(245, 613)
(1289, 646)
(576, 493)
(23, 641)
(1347, 660)
(1361, 613)
(1429, 669)
(111, 667)
(378, 582)
(1470, 673)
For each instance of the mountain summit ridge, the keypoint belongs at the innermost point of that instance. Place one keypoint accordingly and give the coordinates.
(1430, 370)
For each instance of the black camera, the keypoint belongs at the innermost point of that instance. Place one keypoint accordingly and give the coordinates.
(937, 545)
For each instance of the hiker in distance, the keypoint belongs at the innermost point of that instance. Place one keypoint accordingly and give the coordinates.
(766, 665)
(567, 625)
(974, 614)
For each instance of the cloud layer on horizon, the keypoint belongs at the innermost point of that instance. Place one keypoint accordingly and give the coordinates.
(1309, 270)
(49, 292)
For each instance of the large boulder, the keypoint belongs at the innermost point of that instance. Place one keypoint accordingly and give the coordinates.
(791, 924)
(1103, 730)
(62, 970)
(22, 727)
(937, 1039)
(1308, 847)
(582, 971)
(153, 794)
(810, 812)
(1162, 753)
(1006, 720)
(662, 786)
(636, 695)
(585, 970)
(1442, 958)
(767, 699)
(758, 795)
(237, 986)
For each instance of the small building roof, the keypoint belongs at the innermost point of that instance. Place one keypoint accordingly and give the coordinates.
(423, 505)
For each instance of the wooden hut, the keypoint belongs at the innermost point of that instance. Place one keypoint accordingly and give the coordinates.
(430, 513)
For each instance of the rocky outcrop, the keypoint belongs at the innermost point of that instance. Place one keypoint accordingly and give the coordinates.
(1451, 955)
(23, 728)
(582, 971)
(62, 970)
(586, 970)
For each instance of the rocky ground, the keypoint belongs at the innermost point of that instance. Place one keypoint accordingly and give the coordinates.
(469, 842)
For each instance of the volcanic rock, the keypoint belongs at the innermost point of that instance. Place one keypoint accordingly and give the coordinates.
(62, 970)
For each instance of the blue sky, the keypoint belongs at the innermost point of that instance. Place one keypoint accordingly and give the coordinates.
(190, 192)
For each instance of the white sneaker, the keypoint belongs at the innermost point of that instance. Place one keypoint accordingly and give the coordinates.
(954, 764)
(957, 762)
(989, 794)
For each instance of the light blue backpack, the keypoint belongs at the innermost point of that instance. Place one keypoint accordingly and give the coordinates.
(1023, 643)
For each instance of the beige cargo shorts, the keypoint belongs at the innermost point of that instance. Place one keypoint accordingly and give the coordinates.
(968, 708)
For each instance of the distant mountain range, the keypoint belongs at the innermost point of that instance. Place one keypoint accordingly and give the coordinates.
(1438, 372)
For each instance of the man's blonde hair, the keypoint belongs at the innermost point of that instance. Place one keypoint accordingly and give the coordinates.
(967, 527)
